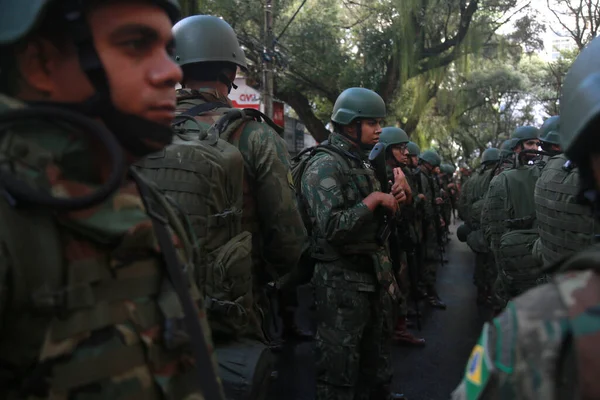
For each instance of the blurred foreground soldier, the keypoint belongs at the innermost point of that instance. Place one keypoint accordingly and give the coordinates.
(428, 161)
(546, 345)
(508, 220)
(209, 54)
(95, 296)
(565, 224)
(402, 251)
(353, 277)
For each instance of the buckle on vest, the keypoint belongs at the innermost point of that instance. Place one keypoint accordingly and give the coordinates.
(46, 299)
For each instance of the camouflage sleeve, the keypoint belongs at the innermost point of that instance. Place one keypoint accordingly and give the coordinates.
(428, 206)
(522, 351)
(282, 230)
(494, 212)
(463, 202)
(323, 191)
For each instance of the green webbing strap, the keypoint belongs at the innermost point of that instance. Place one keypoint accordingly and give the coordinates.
(207, 379)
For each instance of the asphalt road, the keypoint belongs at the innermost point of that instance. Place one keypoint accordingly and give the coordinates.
(429, 373)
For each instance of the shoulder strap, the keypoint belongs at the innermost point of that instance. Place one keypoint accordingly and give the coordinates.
(197, 110)
(207, 378)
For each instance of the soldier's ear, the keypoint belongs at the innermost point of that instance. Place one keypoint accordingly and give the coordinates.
(36, 61)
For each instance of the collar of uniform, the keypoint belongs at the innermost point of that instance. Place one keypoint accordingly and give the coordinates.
(345, 144)
(210, 95)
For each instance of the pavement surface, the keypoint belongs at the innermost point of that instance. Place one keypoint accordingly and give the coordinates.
(429, 373)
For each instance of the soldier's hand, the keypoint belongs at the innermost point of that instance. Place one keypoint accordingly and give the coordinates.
(389, 201)
(422, 196)
(439, 201)
(399, 194)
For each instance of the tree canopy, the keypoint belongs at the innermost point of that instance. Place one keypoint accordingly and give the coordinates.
(456, 74)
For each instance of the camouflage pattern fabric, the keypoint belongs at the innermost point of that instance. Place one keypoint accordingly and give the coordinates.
(565, 226)
(100, 319)
(270, 210)
(545, 345)
(352, 277)
(431, 219)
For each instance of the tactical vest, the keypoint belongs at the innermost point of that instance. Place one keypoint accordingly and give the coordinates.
(519, 270)
(477, 190)
(204, 175)
(564, 225)
(86, 307)
(351, 169)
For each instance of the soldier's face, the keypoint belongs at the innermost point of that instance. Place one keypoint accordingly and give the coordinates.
(400, 153)
(134, 42)
(414, 160)
(370, 131)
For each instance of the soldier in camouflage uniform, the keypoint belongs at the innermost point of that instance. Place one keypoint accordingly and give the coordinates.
(546, 345)
(209, 54)
(446, 184)
(564, 224)
(93, 295)
(508, 209)
(485, 270)
(353, 277)
(396, 142)
(428, 161)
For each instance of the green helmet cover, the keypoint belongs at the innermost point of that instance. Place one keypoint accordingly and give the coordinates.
(552, 138)
(413, 149)
(490, 155)
(462, 232)
(205, 38)
(580, 104)
(447, 169)
(354, 103)
(18, 17)
(391, 135)
(431, 157)
(525, 133)
(550, 125)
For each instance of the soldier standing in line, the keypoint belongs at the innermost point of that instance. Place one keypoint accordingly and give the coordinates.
(353, 277)
(428, 161)
(94, 300)
(546, 344)
(397, 153)
(209, 54)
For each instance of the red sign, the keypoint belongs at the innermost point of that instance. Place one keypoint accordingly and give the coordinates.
(278, 116)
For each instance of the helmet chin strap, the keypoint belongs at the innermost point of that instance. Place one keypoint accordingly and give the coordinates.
(137, 135)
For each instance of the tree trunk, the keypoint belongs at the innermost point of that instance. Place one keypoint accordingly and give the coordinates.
(301, 105)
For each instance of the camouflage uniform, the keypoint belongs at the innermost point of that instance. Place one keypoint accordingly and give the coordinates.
(270, 211)
(431, 218)
(509, 207)
(87, 308)
(538, 347)
(353, 276)
(485, 270)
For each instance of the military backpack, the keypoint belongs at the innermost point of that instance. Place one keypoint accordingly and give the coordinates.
(204, 174)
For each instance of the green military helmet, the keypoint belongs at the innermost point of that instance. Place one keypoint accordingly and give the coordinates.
(205, 38)
(18, 17)
(508, 146)
(580, 104)
(525, 133)
(354, 103)
(550, 125)
(431, 157)
(462, 232)
(447, 169)
(391, 135)
(490, 155)
(413, 149)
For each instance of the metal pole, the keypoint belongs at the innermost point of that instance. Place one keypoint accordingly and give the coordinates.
(267, 60)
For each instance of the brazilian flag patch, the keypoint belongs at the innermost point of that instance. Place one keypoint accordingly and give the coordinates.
(477, 373)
